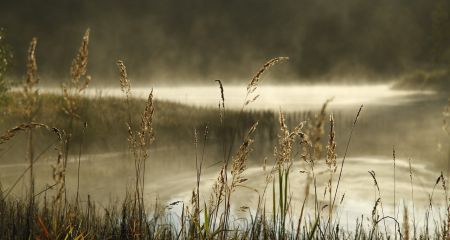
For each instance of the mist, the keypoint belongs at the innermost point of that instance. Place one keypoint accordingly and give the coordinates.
(194, 42)
(226, 119)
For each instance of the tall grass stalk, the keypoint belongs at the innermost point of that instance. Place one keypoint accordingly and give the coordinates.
(79, 81)
(31, 98)
(395, 209)
(412, 199)
(139, 139)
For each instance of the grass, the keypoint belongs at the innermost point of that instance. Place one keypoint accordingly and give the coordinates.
(54, 215)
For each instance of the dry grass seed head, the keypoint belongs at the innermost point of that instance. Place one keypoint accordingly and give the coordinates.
(331, 148)
(78, 69)
(374, 210)
(286, 140)
(124, 82)
(372, 173)
(315, 131)
(222, 102)
(253, 84)
(11, 133)
(239, 160)
(405, 223)
(30, 95)
(58, 168)
(218, 190)
(251, 87)
(147, 134)
(32, 77)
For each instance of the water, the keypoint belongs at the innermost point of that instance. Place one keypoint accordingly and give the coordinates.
(408, 120)
(288, 98)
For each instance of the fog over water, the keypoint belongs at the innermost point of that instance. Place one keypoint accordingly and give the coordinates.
(389, 118)
(199, 40)
(389, 58)
(290, 98)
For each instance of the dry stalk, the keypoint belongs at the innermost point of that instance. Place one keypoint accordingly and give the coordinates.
(286, 140)
(331, 148)
(218, 189)
(253, 84)
(332, 165)
(30, 107)
(139, 140)
(58, 171)
(79, 80)
(373, 175)
(22, 127)
(222, 102)
(71, 92)
(405, 223)
(412, 199)
(240, 158)
(315, 131)
(238, 167)
(30, 94)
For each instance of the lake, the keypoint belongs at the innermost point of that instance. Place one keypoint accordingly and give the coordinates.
(409, 121)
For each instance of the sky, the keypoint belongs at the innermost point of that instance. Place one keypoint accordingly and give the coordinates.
(196, 41)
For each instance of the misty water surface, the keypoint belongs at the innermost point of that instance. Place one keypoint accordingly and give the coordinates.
(407, 120)
(288, 98)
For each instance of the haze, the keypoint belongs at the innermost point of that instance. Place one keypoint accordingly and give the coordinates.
(200, 40)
